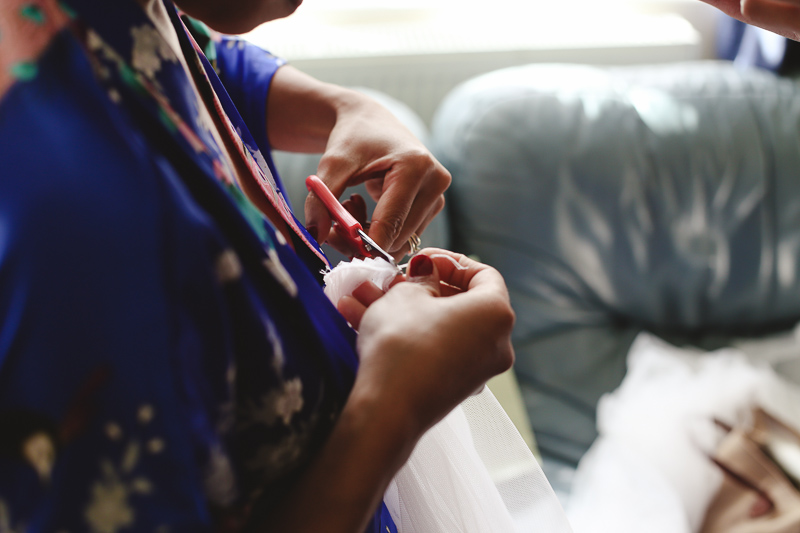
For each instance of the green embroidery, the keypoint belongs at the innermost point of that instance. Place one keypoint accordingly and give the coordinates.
(130, 78)
(67, 10)
(202, 36)
(250, 213)
(167, 121)
(33, 12)
(25, 70)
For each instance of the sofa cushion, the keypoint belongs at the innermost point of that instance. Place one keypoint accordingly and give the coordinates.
(618, 199)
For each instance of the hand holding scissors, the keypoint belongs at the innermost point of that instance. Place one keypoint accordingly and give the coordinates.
(346, 224)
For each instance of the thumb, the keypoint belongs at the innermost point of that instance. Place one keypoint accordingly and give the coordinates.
(317, 218)
(423, 271)
(318, 221)
(335, 170)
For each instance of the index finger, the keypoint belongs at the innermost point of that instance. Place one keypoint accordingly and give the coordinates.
(464, 273)
(392, 208)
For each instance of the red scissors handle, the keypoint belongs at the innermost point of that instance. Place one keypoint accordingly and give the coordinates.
(347, 225)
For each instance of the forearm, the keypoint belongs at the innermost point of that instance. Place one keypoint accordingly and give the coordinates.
(302, 111)
(345, 483)
(405, 384)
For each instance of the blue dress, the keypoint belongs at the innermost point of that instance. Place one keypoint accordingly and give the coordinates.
(168, 361)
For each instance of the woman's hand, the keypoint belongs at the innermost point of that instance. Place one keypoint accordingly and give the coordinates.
(778, 16)
(426, 353)
(425, 345)
(368, 144)
(361, 142)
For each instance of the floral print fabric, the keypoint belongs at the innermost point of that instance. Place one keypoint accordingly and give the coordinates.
(26, 28)
(167, 361)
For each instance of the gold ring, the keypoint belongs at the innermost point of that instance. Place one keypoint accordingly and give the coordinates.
(414, 244)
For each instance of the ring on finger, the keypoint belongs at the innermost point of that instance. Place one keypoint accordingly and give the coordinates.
(414, 244)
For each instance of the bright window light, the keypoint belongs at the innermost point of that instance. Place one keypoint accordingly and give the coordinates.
(351, 28)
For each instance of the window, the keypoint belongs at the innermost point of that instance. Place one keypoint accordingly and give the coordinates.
(348, 28)
(418, 50)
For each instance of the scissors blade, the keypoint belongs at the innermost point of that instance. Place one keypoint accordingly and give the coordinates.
(376, 250)
(347, 224)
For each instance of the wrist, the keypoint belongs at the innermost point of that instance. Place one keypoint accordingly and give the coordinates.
(349, 476)
(387, 418)
(346, 101)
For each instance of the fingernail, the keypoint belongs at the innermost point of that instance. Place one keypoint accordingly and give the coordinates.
(312, 230)
(420, 266)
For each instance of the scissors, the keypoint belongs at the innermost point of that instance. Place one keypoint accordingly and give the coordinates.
(346, 224)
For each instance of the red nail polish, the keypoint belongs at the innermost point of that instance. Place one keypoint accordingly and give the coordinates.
(420, 266)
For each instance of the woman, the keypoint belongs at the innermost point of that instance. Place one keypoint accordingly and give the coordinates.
(168, 361)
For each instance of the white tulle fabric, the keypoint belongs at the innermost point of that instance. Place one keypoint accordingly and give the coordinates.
(472, 472)
(345, 277)
(649, 468)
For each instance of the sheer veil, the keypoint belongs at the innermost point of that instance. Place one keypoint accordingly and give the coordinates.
(472, 472)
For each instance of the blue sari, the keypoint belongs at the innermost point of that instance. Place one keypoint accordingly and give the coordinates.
(168, 361)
